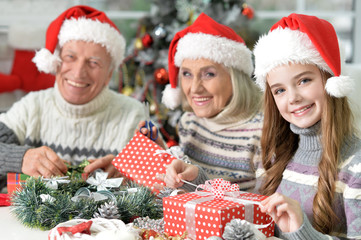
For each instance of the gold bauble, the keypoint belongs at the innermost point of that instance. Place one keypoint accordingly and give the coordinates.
(127, 90)
(138, 44)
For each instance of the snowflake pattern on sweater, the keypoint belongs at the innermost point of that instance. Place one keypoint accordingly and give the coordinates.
(226, 151)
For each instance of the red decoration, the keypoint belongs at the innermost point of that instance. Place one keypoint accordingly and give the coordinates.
(4, 199)
(141, 160)
(171, 143)
(202, 216)
(79, 228)
(147, 40)
(24, 75)
(161, 76)
(248, 11)
(147, 234)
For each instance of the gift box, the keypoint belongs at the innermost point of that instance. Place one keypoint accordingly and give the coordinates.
(203, 215)
(141, 160)
(14, 181)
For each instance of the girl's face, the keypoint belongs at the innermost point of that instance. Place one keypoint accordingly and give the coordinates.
(206, 85)
(299, 93)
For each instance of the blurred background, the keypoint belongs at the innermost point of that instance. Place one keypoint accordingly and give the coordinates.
(149, 26)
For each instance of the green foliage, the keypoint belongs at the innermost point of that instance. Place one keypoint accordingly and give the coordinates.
(33, 212)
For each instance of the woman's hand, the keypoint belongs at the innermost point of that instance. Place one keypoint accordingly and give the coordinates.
(146, 132)
(177, 171)
(286, 212)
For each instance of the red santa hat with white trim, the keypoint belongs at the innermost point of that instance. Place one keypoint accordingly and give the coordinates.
(302, 39)
(79, 23)
(205, 38)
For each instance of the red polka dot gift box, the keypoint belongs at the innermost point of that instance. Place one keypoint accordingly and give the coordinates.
(203, 214)
(141, 160)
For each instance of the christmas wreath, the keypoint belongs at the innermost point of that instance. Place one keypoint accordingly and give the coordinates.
(44, 203)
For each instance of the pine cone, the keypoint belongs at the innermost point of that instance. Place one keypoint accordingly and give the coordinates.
(108, 211)
(238, 229)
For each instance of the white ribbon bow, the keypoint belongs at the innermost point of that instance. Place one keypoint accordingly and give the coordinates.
(53, 182)
(176, 152)
(102, 183)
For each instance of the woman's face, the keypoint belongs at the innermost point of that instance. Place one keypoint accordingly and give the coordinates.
(299, 93)
(207, 86)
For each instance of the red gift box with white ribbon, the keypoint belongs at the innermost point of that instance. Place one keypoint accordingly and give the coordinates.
(141, 160)
(205, 213)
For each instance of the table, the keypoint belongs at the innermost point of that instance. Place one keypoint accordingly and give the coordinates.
(12, 229)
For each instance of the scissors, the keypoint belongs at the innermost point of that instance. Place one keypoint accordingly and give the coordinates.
(148, 123)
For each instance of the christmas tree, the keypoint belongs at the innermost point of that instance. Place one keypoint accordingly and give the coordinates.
(144, 73)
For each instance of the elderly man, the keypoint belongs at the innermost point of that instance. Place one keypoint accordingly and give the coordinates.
(80, 117)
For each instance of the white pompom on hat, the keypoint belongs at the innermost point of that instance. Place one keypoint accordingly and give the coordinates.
(302, 39)
(205, 38)
(79, 23)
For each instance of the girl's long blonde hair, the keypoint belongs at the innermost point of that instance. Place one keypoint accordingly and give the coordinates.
(279, 144)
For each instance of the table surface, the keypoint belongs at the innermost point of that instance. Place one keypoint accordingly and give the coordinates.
(12, 229)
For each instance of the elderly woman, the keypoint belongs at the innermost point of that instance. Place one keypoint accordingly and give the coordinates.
(221, 127)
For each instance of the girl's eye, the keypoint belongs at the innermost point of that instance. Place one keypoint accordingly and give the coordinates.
(278, 91)
(305, 80)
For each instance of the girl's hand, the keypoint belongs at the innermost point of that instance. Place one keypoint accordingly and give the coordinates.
(177, 171)
(286, 212)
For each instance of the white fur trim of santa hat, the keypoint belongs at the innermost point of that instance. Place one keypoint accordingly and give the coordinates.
(284, 46)
(86, 30)
(171, 97)
(218, 49)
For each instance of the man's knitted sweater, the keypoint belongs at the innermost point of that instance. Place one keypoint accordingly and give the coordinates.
(300, 183)
(75, 132)
(226, 149)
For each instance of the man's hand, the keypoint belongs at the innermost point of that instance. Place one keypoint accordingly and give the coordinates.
(104, 163)
(43, 161)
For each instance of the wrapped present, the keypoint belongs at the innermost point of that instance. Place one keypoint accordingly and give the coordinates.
(14, 181)
(141, 160)
(203, 214)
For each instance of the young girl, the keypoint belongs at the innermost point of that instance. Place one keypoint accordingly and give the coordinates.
(310, 154)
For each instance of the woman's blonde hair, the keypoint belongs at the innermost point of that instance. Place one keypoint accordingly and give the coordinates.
(279, 144)
(245, 100)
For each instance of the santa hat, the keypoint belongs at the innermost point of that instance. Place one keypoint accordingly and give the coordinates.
(205, 38)
(302, 39)
(80, 23)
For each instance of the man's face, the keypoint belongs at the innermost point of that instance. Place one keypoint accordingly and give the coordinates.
(84, 71)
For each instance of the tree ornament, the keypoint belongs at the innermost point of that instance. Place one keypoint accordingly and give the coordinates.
(165, 192)
(247, 11)
(147, 40)
(161, 76)
(238, 229)
(159, 31)
(172, 143)
(108, 211)
(138, 44)
(153, 108)
(127, 90)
